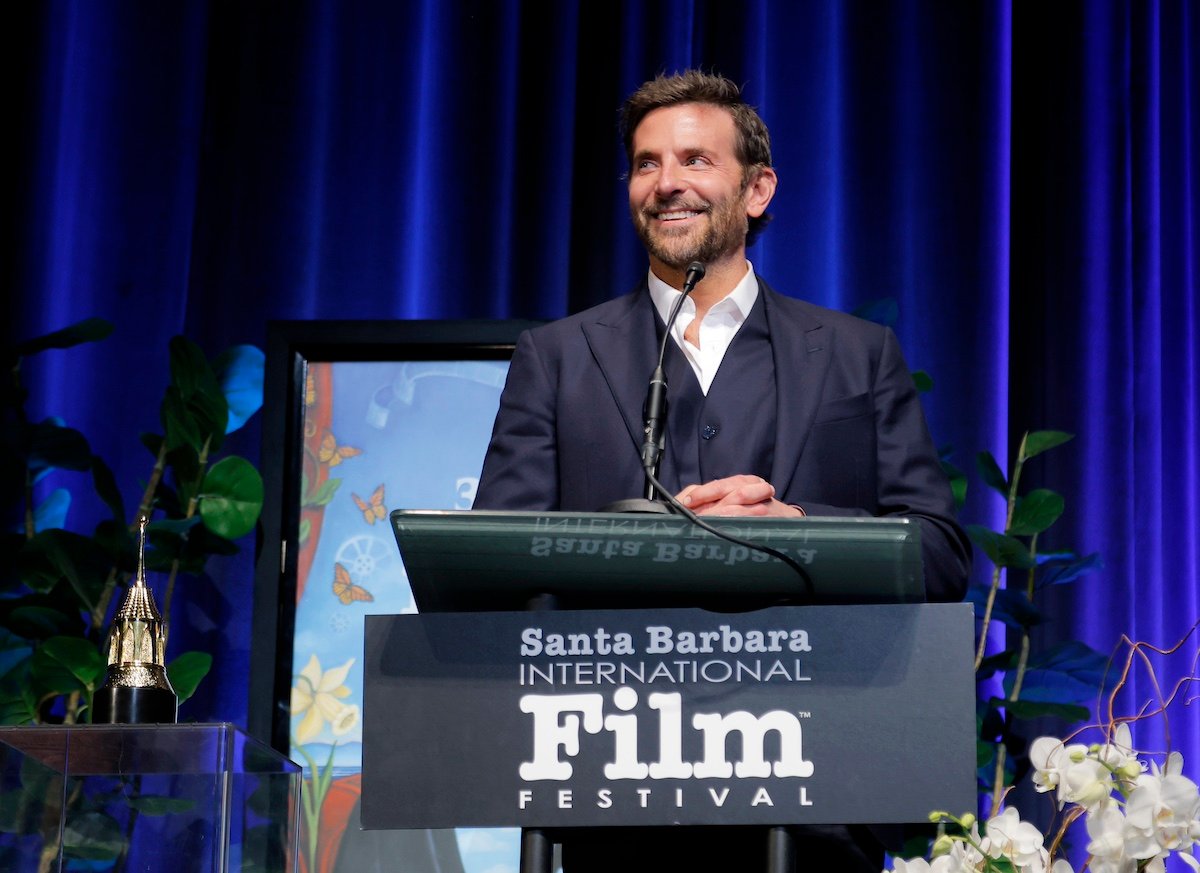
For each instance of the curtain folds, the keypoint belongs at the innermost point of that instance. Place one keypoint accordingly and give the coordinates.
(1022, 179)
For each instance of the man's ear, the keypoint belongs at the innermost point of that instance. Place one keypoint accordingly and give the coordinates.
(760, 191)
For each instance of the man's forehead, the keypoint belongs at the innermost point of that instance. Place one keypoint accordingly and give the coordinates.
(704, 125)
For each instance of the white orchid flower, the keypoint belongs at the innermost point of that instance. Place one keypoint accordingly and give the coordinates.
(916, 865)
(1106, 827)
(1069, 770)
(1017, 840)
(1163, 810)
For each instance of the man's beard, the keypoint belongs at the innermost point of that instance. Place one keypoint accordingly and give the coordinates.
(724, 232)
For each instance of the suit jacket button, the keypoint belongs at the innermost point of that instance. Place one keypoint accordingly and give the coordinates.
(709, 431)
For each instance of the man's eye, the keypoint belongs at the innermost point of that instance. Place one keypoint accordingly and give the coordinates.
(645, 165)
(694, 161)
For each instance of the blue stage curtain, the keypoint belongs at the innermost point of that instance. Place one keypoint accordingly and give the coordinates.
(1021, 179)
(1106, 315)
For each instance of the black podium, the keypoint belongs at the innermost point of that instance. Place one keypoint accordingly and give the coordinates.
(631, 706)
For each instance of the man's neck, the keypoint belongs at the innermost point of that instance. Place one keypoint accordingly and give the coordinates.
(720, 278)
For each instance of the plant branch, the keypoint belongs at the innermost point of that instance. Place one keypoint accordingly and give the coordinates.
(1009, 509)
(145, 507)
(193, 505)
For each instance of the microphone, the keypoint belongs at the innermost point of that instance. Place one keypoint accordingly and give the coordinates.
(655, 414)
(654, 411)
(695, 272)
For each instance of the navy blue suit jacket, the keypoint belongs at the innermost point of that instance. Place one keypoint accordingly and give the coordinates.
(850, 439)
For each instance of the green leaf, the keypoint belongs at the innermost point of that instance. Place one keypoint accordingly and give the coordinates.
(172, 525)
(999, 662)
(202, 542)
(1037, 709)
(191, 549)
(105, 484)
(1035, 512)
(991, 474)
(985, 753)
(232, 497)
(166, 499)
(240, 373)
(154, 804)
(1061, 569)
(68, 664)
(923, 381)
(958, 483)
(163, 547)
(92, 836)
(184, 463)
(118, 544)
(86, 331)
(1070, 672)
(1011, 607)
(59, 554)
(52, 512)
(36, 622)
(325, 493)
(199, 392)
(178, 425)
(189, 366)
(1043, 440)
(52, 445)
(18, 703)
(305, 530)
(151, 441)
(186, 671)
(1002, 550)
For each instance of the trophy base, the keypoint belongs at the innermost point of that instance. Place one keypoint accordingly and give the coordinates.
(123, 704)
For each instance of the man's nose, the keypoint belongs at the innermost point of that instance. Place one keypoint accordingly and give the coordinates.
(669, 180)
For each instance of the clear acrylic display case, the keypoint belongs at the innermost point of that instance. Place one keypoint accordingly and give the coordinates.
(188, 798)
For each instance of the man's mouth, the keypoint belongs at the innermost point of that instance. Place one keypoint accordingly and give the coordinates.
(676, 213)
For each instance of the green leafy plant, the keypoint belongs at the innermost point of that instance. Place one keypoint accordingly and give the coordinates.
(1057, 681)
(58, 586)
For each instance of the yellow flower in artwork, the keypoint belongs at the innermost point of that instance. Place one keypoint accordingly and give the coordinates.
(318, 695)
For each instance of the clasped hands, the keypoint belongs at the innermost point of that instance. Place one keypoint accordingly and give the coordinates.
(736, 495)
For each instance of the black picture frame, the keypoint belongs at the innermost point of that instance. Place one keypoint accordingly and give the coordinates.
(290, 347)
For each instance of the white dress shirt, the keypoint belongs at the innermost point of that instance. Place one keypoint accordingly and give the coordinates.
(716, 331)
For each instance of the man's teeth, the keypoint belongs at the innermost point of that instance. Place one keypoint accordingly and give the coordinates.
(674, 216)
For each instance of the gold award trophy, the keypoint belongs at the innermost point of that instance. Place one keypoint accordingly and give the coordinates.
(136, 689)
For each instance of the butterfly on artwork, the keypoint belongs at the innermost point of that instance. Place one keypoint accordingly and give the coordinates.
(331, 453)
(345, 590)
(372, 508)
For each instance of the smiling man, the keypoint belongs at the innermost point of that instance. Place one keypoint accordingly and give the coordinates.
(778, 407)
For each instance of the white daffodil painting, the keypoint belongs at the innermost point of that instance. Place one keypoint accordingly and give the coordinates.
(319, 697)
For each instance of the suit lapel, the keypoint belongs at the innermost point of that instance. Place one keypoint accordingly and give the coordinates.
(802, 349)
(624, 344)
(625, 347)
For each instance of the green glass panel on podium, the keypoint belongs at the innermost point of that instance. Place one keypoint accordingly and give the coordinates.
(484, 560)
(189, 798)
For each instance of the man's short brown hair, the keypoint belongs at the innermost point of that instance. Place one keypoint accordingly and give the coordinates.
(753, 142)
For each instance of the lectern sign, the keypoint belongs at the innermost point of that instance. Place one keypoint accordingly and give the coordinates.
(558, 719)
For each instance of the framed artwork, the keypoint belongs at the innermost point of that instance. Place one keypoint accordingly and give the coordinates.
(360, 418)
